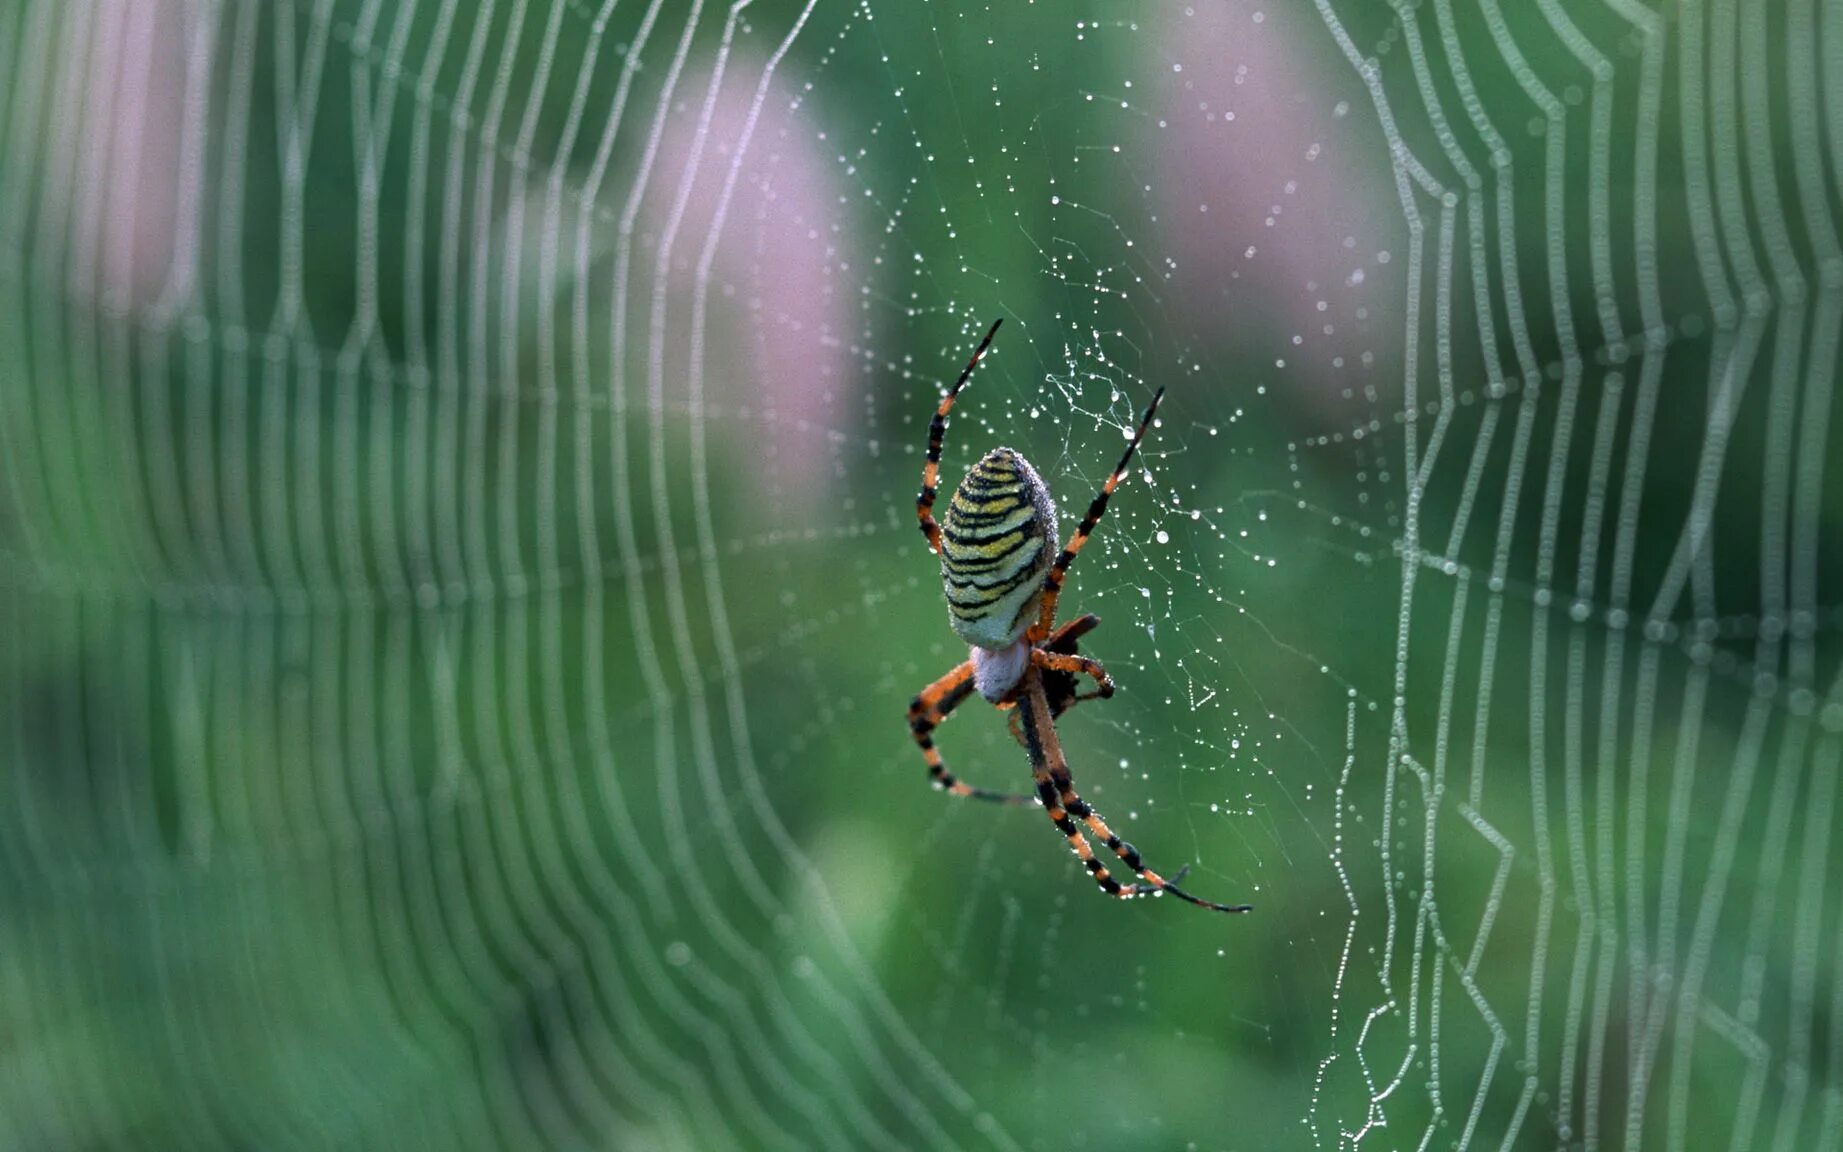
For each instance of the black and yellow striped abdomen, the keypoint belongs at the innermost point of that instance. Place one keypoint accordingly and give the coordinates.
(997, 541)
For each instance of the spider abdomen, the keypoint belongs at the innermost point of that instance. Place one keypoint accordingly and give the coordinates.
(997, 542)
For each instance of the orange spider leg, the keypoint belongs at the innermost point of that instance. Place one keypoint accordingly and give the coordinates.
(937, 433)
(1064, 638)
(1057, 789)
(1047, 765)
(1078, 665)
(926, 712)
(1052, 583)
(1016, 724)
(1061, 699)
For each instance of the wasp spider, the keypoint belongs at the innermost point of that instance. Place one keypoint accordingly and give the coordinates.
(995, 550)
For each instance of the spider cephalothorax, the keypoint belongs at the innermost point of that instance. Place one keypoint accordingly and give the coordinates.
(1002, 585)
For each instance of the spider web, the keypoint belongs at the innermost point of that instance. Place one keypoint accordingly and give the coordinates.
(456, 479)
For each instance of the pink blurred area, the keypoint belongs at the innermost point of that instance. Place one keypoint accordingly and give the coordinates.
(121, 150)
(1276, 193)
(777, 355)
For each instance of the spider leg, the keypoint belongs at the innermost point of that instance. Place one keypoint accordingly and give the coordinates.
(937, 433)
(1058, 710)
(1064, 639)
(1052, 582)
(1057, 789)
(1062, 695)
(926, 712)
(1079, 665)
(1045, 750)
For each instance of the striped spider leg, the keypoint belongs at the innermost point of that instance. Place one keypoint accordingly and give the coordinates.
(937, 434)
(1097, 508)
(1056, 788)
(1063, 686)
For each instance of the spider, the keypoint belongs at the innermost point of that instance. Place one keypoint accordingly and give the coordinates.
(1002, 588)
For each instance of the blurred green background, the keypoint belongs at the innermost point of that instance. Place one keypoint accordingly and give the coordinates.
(461, 586)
